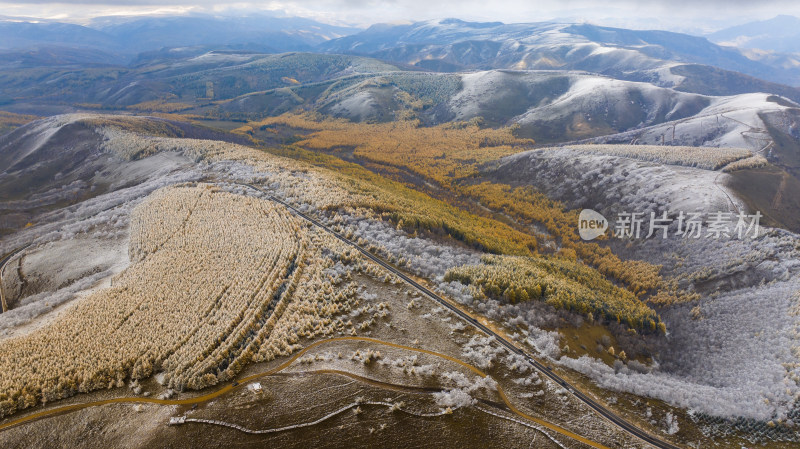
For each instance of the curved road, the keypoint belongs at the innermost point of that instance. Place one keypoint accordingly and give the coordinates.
(2, 267)
(721, 189)
(608, 414)
(231, 386)
(594, 405)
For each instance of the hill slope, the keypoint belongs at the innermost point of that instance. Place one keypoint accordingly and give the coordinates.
(127, 36)
(635, 55)
(779, 34)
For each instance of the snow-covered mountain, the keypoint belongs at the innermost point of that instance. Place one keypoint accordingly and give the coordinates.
(548, 106)
(452, 44)
(127, 36)
(738, 121)
(779, 34)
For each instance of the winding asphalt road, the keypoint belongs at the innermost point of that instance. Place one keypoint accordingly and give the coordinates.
(606, 413)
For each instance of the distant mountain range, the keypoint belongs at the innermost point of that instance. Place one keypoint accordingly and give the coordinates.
(779, 34)
(452, 45)
(445, 45)
(559, 82)
(128, 37)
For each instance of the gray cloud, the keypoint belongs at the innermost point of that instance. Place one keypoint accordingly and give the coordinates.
(635, 13)
(666, 4)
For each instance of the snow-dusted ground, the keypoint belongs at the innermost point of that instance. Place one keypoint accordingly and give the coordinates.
(359, 107)
(213, 57)
(727, 122)
(556, 95)
(422, 256)
(739, 357)
(98, 226)
(80, 247)
(663, 116)
(522, 46)
(77, 248)
(735, 360)
(590, 92)
(613, 184)
(34, 136)
(729, 363)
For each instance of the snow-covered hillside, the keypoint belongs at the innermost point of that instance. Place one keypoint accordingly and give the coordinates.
(627, 54)
(728, 353)
(735, 121)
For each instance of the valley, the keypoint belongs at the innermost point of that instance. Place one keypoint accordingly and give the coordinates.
(319, 235)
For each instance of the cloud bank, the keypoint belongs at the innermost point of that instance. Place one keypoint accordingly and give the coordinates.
(679, 15)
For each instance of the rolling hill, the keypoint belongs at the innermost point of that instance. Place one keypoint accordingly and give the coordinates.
(191, 79)
(128, 36)
(452, 44)
(548, 106)
(274, 231)
(779, 34)
(126, 197)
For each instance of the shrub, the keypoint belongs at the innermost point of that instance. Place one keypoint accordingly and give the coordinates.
(216, 280)
(563, 284)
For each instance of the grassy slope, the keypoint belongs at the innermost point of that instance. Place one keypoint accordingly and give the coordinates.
(428, 153)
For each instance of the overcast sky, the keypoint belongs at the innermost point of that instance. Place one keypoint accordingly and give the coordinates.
(680, 15)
